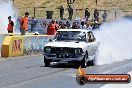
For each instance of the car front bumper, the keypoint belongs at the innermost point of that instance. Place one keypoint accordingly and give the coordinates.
(64, 57)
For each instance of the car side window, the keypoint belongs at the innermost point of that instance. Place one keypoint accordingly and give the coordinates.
(91, 37)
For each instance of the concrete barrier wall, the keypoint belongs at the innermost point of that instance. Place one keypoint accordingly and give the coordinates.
(35, 44)
(23, 45)
(12, 46)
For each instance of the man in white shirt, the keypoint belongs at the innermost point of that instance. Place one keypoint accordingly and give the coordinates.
(89, 27)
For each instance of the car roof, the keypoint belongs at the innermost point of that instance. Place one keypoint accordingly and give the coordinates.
(82, 30)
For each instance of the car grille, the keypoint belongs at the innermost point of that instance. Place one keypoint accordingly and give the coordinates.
(63, 50)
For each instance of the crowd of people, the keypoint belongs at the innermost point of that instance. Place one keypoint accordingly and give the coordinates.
(87, 14)
(53, 26)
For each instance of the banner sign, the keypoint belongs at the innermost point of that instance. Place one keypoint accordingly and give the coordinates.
(40, 25)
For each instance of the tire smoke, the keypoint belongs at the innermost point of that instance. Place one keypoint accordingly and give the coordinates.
(115, 41)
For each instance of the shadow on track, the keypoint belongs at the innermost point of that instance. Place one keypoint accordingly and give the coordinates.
(63, 65)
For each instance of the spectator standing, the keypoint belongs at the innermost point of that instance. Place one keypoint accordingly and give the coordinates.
(24, 23)
(68, 25)
(87, 14)
(51, 30)
(33, 23)
(70, 11)
(89, 27)
(10, 25)
(83, 26)
(104, 16)
(56, 25)
(61, 12)
(96, 15)
(62, 26)
(75, 26)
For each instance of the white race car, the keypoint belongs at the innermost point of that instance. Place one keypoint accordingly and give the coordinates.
(71, 45)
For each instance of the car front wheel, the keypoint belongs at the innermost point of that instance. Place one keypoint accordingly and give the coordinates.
(46, 62)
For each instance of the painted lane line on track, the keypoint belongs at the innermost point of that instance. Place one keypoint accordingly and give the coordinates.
(70, 75)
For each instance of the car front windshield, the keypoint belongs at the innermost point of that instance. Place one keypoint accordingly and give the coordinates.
(70, 35)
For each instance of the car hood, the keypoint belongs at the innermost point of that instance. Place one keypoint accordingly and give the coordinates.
(67, 44)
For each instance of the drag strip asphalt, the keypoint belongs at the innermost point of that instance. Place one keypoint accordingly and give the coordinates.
(29, 72)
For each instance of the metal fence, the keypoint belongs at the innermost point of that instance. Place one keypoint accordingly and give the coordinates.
(111, 14)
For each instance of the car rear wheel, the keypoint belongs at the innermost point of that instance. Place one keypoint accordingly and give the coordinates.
(84, 62)
(92, 62)
(46, 62)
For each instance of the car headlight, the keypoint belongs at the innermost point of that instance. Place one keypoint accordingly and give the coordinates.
(78, 50)
(47, 49)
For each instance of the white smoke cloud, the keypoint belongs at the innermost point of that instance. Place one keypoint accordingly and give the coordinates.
(116, 41)
(6, 9)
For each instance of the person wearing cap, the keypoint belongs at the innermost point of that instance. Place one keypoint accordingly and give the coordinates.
(24, 23)
(10, 25)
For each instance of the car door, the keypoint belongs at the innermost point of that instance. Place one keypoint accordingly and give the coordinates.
(92, 45)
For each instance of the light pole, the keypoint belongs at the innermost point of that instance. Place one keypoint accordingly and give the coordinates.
(96, 1)
(13, 2)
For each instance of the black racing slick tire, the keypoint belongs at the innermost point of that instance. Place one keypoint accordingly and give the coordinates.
(92, 62)
(84, 62)
(46, 62)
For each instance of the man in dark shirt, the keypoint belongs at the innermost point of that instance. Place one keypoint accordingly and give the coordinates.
(61, 12)
(33, 24)
(87, 14)
(70, 11)
(96, 15)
